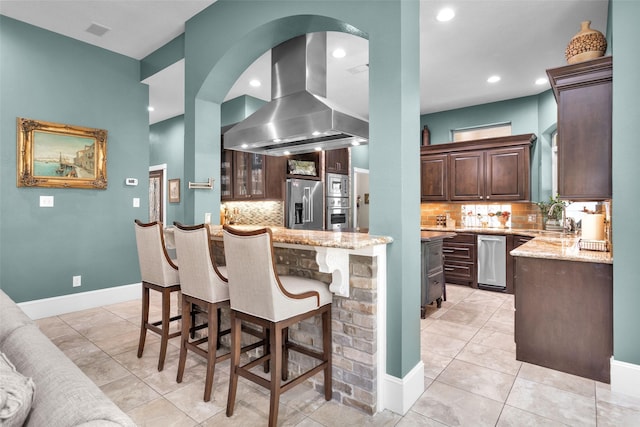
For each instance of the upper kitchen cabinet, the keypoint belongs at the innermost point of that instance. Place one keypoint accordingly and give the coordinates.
(583, 93)
(491, 169)
(337, 161)
(249, 176)
(434, 181)
(226, 175)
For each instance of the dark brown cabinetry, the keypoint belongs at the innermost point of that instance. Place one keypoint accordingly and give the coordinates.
(490, 169)
(337, 161)
(564, 315)
(460, 259)
(249, 176)
(513, 241)
(584, 95)
(434, 177)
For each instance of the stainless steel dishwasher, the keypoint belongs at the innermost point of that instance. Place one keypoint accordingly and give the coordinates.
(492, 262)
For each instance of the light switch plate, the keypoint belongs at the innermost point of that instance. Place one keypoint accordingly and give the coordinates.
(46, 201)
(136, 202)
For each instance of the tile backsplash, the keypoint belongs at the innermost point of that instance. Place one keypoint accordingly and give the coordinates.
(523, 215)
(256, 212)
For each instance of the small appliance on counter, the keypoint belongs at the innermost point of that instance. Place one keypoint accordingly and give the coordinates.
(337, 217)
(304, 204)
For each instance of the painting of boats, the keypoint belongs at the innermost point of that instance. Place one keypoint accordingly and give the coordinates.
(53, 155)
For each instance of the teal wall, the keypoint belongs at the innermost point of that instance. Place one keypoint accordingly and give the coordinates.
(532, 114)
(224, 39)
(626, 197)
(45, 76)
(166, 146)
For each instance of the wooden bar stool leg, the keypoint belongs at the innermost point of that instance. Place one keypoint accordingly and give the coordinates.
(184, 338)
(285, 354)
(327, 352)
(236, 331)
(144, 319)
(164, 337)
(276, 373)
(212, 314)
(266, 334)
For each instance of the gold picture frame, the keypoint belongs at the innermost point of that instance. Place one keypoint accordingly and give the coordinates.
(60, 156)
(174, 190)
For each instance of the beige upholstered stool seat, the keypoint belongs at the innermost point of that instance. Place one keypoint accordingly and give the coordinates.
(259, 295)
(203, 285)
(159, 273)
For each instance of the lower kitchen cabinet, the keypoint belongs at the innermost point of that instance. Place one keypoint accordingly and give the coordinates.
(564, 315)
(513, 241)
(460, 259)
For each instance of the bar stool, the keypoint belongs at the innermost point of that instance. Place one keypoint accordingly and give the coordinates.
(160, 273)
(259, 295)
(203, 285)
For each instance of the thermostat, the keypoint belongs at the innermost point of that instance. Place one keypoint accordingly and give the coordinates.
(131, 181)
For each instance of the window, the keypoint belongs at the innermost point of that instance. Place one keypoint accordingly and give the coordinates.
(481, 132)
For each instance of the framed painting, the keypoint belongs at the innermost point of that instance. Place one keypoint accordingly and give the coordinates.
(174, 190)
(60, 156)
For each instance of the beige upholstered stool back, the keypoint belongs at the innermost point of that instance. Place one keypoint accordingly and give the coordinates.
(199, 275)
(255, 287)
(155, 265)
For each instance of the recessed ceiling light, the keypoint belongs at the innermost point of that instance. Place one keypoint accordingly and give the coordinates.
(445, 15)
(255, 83)
(339, 53)
(150, 108)
(244, 146)
(541, 81)
(493, 79)
(286, 153)
(355, 143)
(318, 148)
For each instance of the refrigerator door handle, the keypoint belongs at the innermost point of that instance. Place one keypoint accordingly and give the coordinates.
(308, 214)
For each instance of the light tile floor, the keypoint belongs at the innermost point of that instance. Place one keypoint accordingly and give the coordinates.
(471, 376)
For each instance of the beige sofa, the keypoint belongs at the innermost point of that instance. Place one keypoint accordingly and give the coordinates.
(64, 395)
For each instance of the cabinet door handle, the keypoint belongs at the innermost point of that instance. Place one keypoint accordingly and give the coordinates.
(449, 269)
(448, 251)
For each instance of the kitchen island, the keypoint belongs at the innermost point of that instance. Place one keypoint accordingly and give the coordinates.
(353, 265)
(433, 287)
(564, 306)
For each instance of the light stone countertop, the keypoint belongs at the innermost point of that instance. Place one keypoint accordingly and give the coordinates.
(560, 248)
(327, 239)
(546, 244)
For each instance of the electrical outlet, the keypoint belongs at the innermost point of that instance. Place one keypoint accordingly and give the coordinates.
(531, 218)
(136, 202)
(77, 281)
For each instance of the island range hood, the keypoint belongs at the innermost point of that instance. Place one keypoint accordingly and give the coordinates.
(299, 119)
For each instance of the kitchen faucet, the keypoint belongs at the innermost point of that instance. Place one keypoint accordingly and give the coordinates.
(564, 216)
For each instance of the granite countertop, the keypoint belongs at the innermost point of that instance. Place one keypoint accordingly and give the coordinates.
(328, 239)
(546, 244)
(426, 235)
(560, 248)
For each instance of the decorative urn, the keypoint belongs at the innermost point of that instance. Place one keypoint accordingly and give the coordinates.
(586, 44)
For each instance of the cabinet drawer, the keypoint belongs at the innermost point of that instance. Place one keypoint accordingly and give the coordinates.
(459, 252)
(459, 270)
(461, 238)
(435, 257)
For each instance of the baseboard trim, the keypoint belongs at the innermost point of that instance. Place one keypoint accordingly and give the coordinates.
(625, 378)
(47, 307)
(401, 393)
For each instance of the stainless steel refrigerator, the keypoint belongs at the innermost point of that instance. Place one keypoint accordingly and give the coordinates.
(304, 206)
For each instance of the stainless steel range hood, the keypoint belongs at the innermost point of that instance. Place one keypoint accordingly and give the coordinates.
(299, 119)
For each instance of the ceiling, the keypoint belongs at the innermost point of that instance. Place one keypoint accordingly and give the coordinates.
(516, 39)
